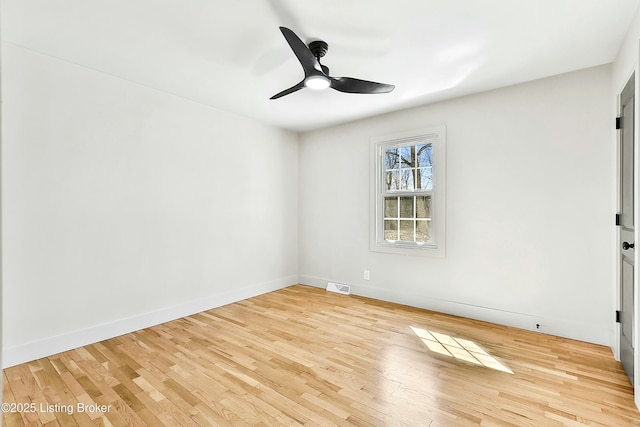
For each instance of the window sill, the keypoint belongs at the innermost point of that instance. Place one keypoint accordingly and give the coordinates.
(429, 251)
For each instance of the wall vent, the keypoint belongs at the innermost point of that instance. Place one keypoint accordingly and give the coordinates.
(339, 288)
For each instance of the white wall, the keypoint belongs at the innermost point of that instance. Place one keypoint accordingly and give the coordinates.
(125, 207)
(529, 208)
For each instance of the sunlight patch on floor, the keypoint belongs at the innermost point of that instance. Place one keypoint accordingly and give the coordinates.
(458, 348)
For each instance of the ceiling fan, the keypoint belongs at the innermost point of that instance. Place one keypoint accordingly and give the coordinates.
(316, 75)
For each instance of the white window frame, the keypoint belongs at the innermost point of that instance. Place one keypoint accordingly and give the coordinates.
(436, 136)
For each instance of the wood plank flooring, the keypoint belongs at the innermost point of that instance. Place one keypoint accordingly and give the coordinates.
(302, 356)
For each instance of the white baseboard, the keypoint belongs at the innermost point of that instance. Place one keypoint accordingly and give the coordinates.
(552, 326)
(22, 353)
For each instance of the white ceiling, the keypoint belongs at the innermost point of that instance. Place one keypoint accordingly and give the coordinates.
(231, 55)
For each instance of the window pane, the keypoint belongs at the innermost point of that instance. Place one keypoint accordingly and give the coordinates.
(423, 231)
(406, 230)
(406, 154)
(391, 159)
(426, 182)
(406, 179)
(392, 180)
(423, 153)
(406, 207)
(391, 207)
(390, 230)
(423, 207)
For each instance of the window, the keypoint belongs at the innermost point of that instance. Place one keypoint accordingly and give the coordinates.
(407, 212)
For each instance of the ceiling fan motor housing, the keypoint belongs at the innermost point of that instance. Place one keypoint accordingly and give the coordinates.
(318, 48)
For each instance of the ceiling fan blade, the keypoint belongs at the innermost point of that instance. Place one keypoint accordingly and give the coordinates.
(288, 91)
(351, 85)
(309, 62)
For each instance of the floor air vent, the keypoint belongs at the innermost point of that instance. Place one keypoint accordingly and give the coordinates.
(337, 287)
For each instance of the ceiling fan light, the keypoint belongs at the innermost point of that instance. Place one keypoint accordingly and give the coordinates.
(317, 82)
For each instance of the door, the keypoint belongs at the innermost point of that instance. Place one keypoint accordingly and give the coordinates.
(627, 242)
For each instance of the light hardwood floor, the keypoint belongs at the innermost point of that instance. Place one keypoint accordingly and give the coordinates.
(302, 356)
